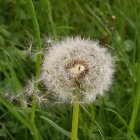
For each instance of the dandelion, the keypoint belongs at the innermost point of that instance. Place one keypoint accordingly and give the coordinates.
(77, 64)
(77, 71)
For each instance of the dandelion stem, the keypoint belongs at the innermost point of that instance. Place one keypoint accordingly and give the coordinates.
(75, 121)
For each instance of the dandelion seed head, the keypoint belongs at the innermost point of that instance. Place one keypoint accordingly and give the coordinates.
(74, 63)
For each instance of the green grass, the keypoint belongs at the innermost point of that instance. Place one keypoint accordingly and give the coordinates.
(112, 117)
(38, 64)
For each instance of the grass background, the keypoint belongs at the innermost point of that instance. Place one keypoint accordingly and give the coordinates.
(113, 117)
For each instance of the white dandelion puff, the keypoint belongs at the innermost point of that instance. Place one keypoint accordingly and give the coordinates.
(76, 63)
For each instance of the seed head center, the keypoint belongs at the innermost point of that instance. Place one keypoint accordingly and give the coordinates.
(77, 69)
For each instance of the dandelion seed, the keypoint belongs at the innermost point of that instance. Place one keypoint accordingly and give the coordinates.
(48, 41)
(30, 88)
(29, 43)
(76, 63)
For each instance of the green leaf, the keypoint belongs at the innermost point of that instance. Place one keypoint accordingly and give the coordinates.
(60, 129)
(15, 113)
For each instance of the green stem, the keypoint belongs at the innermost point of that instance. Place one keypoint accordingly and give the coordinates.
(137, 101)
(75, 121)
(38, 62)
(137, 94)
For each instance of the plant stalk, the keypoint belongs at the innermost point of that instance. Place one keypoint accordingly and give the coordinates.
(137, 101)
(75, 121)
(38, 62)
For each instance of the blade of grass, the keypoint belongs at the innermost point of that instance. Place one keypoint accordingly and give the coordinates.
(131, 132)
(37, 33)
(120, 118)
(9, 133)
(7, 76)
(38, 62)
(137, 94)
(60, 129)
(119, 131)
(98, 19)
(92, 117)
(13, 74)
(51, 19)
(15, 113)
(136, 102)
